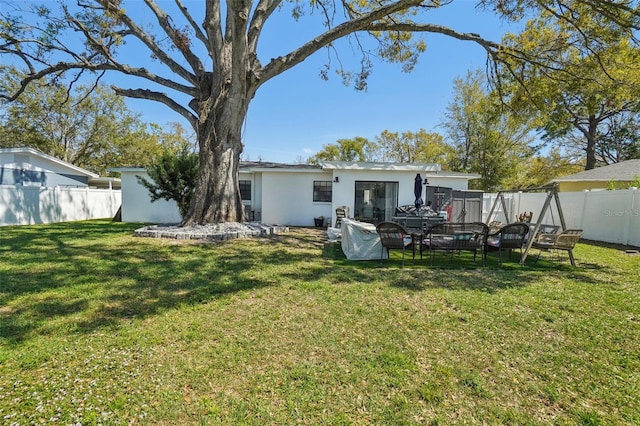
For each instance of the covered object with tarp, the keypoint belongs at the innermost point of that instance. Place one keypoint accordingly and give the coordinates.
(360, 241)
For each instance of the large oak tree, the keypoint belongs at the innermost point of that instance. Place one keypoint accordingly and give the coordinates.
(211, 58)
(582, 88)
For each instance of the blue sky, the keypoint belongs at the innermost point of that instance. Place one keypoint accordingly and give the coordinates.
(296, 113)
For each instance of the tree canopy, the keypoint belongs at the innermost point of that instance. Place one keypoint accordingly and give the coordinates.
(488, 140)
(90, 127)
(211, 69)
(356, 149)
(583, 88)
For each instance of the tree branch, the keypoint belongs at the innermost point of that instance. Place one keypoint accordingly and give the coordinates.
(140, 34)
(262, 12)
(213, 27)
(67, 66)
(361, 23)
(158, 97)
(196, 29)
(180, 40)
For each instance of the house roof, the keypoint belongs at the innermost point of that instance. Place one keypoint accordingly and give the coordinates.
(449, 174)
(428, 169)
(265, 165)
(36, 153)
(106, 182)
(126, 169)
(622, 171)
(357, 165)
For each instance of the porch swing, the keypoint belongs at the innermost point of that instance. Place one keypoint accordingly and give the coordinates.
(541, 236)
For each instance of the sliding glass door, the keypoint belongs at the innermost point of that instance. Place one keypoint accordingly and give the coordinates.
(375, 201)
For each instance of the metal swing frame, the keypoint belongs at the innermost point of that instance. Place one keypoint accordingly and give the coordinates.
(552, 195)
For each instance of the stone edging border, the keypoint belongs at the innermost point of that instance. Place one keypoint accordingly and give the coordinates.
(221, 232)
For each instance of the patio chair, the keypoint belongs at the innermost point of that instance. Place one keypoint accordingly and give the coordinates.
(341, 213)
(394, 236)
(563, 241)
(509, 237)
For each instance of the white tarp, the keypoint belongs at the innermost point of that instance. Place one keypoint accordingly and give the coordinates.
(333, 234)
(360, 241)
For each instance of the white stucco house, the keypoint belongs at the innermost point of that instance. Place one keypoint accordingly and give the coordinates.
(295, 194)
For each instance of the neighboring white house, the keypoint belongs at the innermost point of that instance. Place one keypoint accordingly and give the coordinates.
(295, 194)
(38, 188)
(30, 167)
(624, 172)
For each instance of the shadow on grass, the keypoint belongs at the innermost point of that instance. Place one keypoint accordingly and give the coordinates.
(95, 274)
(460, 271)
(82, 276)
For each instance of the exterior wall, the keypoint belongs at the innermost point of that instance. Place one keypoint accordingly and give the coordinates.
(137, 205)
(277, 198)
(30, 205)
(344, 190)
(581, 186)
(24, 168)
(13, 176)
(282, 197)
(287, 198)
(254, 210)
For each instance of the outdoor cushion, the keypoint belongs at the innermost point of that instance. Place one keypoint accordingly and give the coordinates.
(494, 241)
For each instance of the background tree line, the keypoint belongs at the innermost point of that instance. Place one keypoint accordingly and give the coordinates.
(522, 135)
(573, 104)
(89, 127)
(575, 107)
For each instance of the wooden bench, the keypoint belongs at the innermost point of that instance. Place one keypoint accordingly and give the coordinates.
(452, 237)
(565, 241)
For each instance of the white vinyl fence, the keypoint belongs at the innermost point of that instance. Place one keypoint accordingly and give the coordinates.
(29, 205)
(608, 216)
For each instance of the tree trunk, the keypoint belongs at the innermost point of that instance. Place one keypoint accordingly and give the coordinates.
(590, 149)
(216, 197)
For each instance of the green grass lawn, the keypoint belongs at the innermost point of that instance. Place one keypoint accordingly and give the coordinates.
(100, 327)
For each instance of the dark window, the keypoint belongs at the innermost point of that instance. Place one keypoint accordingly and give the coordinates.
(375, 201)
(245, 190)
(322, 190)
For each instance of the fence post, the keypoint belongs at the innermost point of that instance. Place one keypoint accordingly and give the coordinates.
(584, 208)
(629, 213)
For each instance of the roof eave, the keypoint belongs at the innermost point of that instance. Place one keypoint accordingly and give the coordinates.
(358, 165)
(58, 161)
